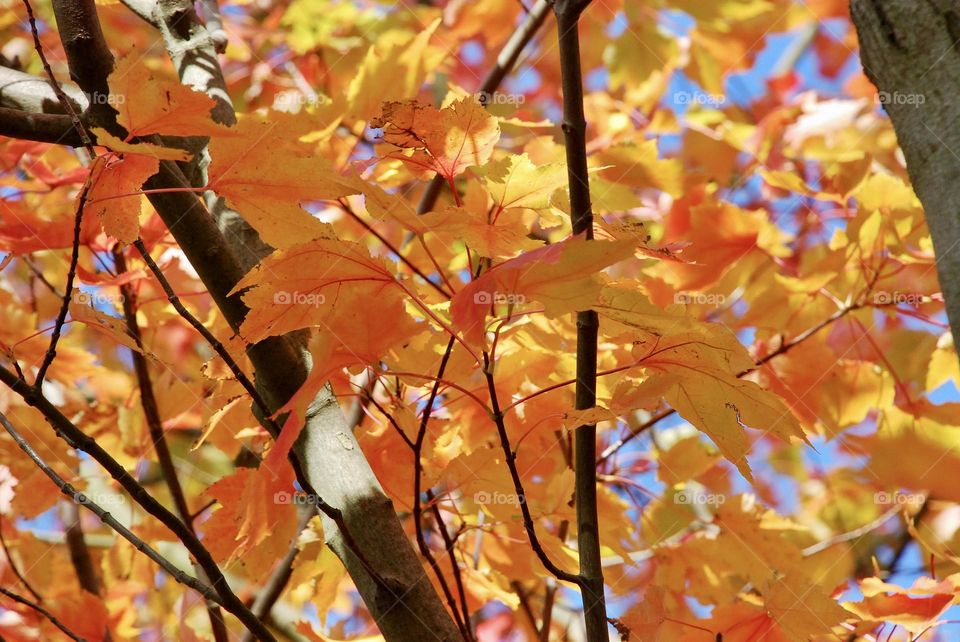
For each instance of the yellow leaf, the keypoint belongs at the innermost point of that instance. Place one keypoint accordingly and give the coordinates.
(247, 172)
(516, 182)
(108, 140)
(397, 72)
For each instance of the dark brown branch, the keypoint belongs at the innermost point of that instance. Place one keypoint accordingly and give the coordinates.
(208, 336)
(43, 128)
(51, 352)
(510, 458)
(585, 436)
(44, 612)
(88, 56)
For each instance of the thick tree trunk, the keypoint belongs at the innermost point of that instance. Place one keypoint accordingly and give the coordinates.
(910, 51)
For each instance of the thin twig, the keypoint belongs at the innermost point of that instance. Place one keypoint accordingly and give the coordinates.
(417, 508)
(510, 458)
(13, 566)
(62, 97)
(449, 544)
(44, 612)
(80, 499)
(273, 588)
(151, 412)
(333, 513)
(784, 347)
(51, 353)
(505, 62)
(213, 342)
(79, 440)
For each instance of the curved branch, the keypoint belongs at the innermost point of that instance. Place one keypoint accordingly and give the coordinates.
(44, 612)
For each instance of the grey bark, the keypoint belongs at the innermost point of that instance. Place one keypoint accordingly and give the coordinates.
(329, 454)
(909, 50)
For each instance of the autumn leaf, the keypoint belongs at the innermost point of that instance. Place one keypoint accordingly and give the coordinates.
(113, 195)
(269, 194)
(446, 141)
(915, 608)
(256, 519)
(148, 104)
(286, 293)
(561, 277)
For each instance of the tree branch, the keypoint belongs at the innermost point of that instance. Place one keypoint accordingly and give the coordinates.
(77, 439)
(510, 458)
(80, 499)
(42, 611)
(588, 324)
(43, 128)
(151, 411)
(909, 51)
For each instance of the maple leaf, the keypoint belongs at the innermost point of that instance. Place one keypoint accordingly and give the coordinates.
(115, 181)
(286, 291)
(147, 104)
(267, 194)
(446, 141)
(915, 608)
(515, 181)
(562, 277)
(256, 519)
(499, 238)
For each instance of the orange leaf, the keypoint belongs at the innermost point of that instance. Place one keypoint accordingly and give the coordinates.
(562, 277)
(446, 141)
(148, 104)
(267, 193)
(113, 193)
